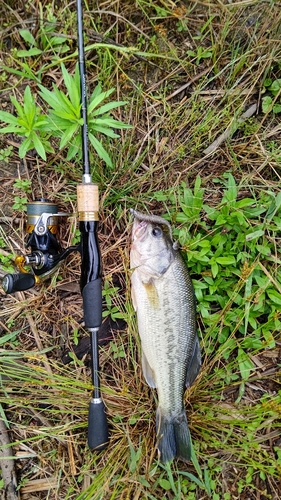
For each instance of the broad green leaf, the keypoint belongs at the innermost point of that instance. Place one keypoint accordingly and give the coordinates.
(73, 90)
(231, 192)
(214, 268)
(104, 130)
(48, 96)
(245, 364)
(110, 122)
(8, 118)
(27, 36)
(67, 136)
(276, 108)
(25, 146)
(29, 106)
(165, 484)
(275, 87)
(39, 146)
(245, 202)
(29, 53)
(11, 129)
(254, 235)
(266, 103)
(74, 148)
(100, 150)
(274, 296)
(67, 115)
(226, 261)
(18, 107)
(95, 101)
(57, 40)
(108, 107)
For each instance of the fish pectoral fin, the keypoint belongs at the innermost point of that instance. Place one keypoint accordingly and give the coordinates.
(194, 364)
(148, 372)
(133, 299)
(151, 293)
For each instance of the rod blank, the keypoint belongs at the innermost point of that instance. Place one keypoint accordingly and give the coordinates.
(83, 88)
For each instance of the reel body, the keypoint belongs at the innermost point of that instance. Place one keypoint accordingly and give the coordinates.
(46, 252)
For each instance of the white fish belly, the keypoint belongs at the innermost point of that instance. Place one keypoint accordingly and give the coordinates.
(167, 328)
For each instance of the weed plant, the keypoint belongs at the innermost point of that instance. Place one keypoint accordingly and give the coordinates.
(183, 73)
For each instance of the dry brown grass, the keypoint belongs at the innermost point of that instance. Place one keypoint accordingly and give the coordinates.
(177, 108)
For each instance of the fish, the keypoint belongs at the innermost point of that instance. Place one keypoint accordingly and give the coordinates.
(164, 300)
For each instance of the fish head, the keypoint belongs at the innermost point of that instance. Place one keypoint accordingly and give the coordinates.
(152, 248)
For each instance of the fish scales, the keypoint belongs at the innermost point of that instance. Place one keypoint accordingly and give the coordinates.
(163, 297)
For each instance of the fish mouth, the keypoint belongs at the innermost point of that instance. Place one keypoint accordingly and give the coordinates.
(139, 230)
(151, 219)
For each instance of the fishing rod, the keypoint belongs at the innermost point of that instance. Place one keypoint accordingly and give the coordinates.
(46, 255)
(91, 288)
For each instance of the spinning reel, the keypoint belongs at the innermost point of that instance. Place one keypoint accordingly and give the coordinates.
(46, 253)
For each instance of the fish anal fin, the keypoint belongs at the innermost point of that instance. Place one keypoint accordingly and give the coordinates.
(194, 364)
(148, 372)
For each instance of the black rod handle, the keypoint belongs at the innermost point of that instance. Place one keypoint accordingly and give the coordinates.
(97, 419)
(97, 425)
(18, 282)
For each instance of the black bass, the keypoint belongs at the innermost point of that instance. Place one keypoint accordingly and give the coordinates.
(163, 297)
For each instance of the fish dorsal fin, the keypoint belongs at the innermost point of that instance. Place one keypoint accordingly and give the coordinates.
(194, 364)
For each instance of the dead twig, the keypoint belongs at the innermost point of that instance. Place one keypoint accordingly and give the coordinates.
(7, 463)
(231, 129)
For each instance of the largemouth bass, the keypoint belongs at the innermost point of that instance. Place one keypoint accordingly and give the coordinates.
(163, 297)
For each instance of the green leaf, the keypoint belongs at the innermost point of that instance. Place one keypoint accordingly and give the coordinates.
(100, 150)
(29, 106)
(8, 337)
(214, 268)
(25, 146)
(231, 192)
(104, 130)
(95, 100)
(8, 118)
(29, 53)
(18, 107)
(108, 107)
(27, 36)
(254, 235)
(226, 261)
(165, 484)
(48, 96)
(274, 296)
(245, 364)
(67, 136)
(266, 104)
(276, 108)
(39, 146)
(73, 90)
(110, 122)
(245, 202)
(275, 87)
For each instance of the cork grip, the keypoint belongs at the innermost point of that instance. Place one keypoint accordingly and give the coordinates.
(88, 201)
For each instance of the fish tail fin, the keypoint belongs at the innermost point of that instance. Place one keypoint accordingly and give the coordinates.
(173, 436)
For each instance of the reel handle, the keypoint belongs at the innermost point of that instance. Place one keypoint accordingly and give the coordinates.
(18, 282)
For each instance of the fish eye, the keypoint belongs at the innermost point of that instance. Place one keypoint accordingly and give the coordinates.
(156, 231)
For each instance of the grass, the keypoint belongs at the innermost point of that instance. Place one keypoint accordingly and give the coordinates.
(188, 71)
